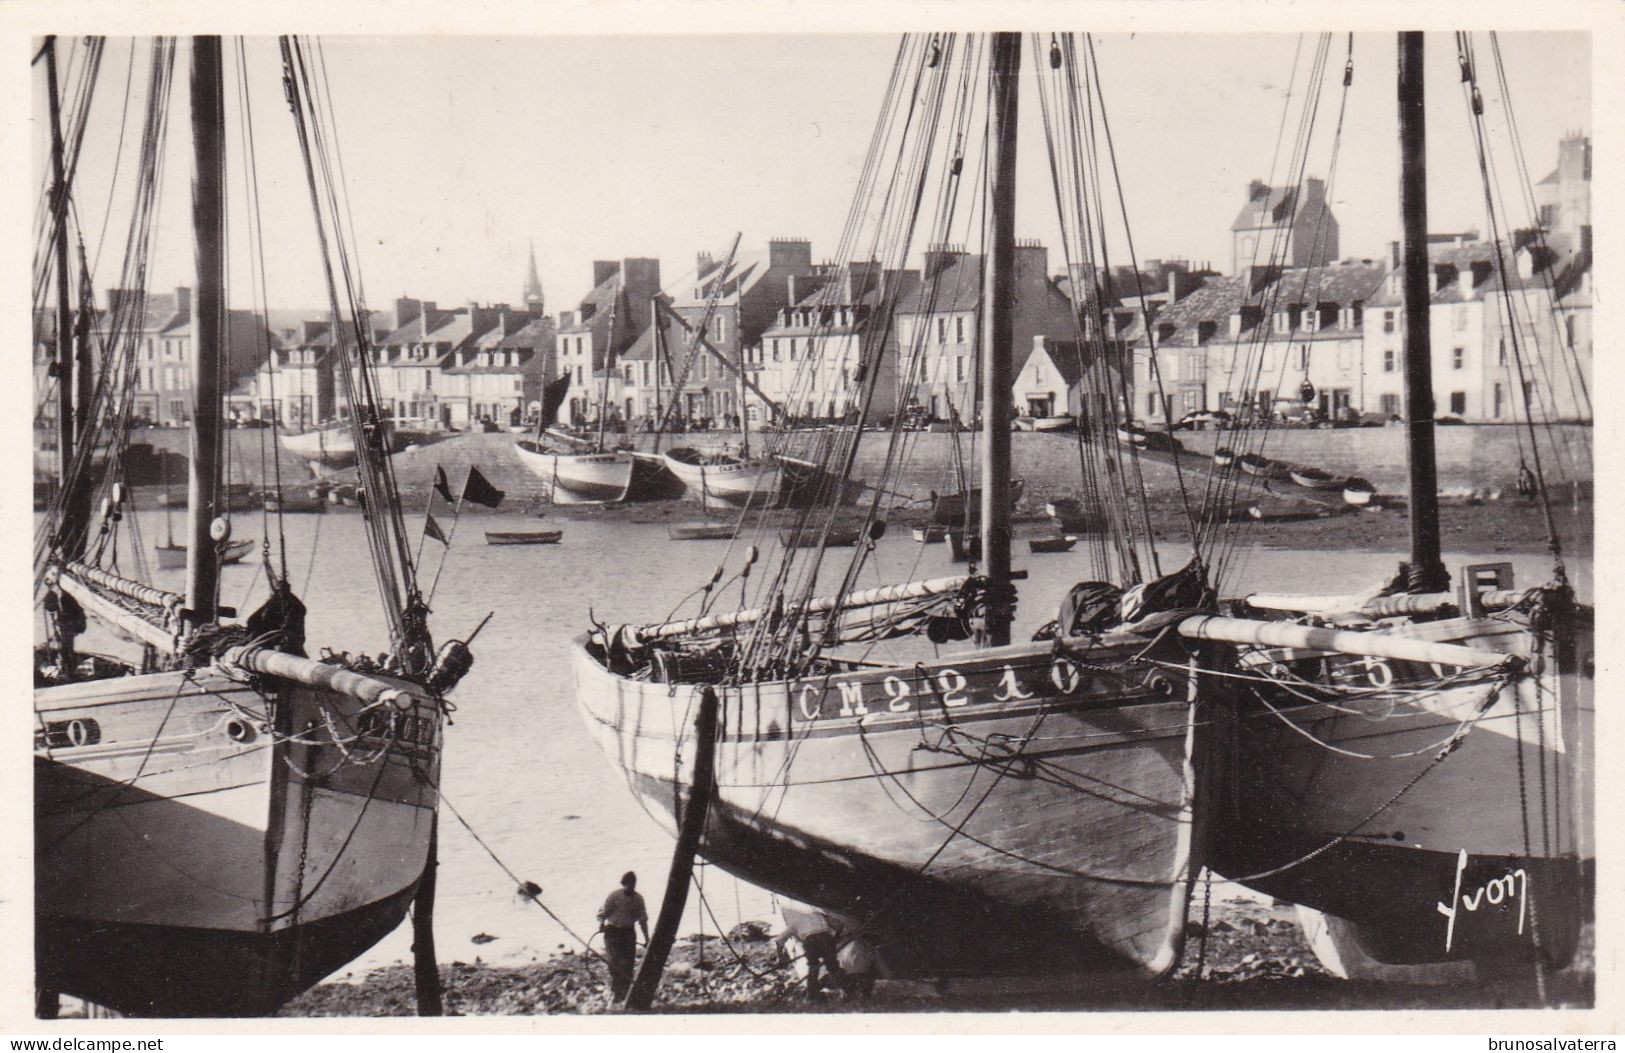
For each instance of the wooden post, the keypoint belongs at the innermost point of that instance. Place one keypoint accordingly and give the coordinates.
(425, 969)
(641, 996)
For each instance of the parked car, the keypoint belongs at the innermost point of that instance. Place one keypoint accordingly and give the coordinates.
(1198, 420)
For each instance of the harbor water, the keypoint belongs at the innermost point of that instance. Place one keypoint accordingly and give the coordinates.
(519, 766)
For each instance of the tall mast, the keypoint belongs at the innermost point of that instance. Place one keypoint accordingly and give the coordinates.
(1427, 570)
(208, 324)
(660, 357)
(997, 293)
(744, 423)
(76, 507)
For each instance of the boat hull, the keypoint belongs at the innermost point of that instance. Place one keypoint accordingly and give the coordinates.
(1374, 829)
(1034, 818)
(191, 858)
(737, 483)
(334, 447)
(535, 537)
(594, 478)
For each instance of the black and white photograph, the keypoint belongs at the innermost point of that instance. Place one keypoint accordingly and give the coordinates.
(966, 514)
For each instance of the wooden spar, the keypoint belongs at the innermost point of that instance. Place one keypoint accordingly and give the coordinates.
(425, 970)
(311, 673)
(867, 598)
(1427, 569)
(997, 293)
(1382, 606)
(135, 590)
(1311, 638)
(688, 327)
(126, 621)
(209, 325)
(642, 994)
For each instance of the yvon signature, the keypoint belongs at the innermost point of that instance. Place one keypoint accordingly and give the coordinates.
(1496, 891)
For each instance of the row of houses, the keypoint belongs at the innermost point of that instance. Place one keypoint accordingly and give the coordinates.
(768, 333)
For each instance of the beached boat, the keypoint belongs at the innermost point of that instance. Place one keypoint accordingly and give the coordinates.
(219, 821)
(331, 446)
(741, 482)
(1358, 492)
(930, 535)
(700, 531)
(1013, 807)
(1315, 478)
(1224, 457)
(1434, 802)
(1063, 543)
(834, 537)
(523, 537)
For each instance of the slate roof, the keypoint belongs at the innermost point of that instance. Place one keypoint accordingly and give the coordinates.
(1267, 209)
(957, 287)
(748, 270)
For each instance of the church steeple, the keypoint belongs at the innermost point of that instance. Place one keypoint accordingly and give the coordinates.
(533, 285)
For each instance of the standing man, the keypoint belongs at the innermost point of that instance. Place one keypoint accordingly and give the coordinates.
(622, 911)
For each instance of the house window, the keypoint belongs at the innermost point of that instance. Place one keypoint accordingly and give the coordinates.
(959, 331)
(1500, 401)
(722, 329)
(1458, 358)
(1303, 356)
(775, 350)
(1390, 405)
(1387, 321)
(942, 330)
(1502, 352)
(793, 349)
(1568, 327)
(428, 380)
(1458, 402)
(1388, 358)
(959, 369)
(1151, 404)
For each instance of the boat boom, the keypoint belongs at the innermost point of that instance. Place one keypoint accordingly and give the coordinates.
(1308, 637)
(910, 590)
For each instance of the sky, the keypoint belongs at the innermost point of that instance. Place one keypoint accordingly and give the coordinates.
(461, 152)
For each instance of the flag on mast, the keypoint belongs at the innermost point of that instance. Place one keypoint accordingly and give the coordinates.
(432, 529)
(477, 489)
(442, 486)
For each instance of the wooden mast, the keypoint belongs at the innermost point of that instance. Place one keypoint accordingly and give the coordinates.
(997, 293)
(75, 509)
(208, 325)
(1427, 570)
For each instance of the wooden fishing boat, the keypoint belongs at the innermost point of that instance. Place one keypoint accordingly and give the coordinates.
(219, 821)
(1316, 479)
(930, 535)
(523, 537)
(1013, 807)
(1434, 803)
(1063, 543)
(173, 557)
(1224, 457)
(741, 482)
(834, 537)
(1131, 436)
(331, 446)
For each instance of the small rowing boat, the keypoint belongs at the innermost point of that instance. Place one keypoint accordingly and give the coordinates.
(834, 537)
(523, 537)
(1315, 479)
(1062, 543)
(700, 531)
